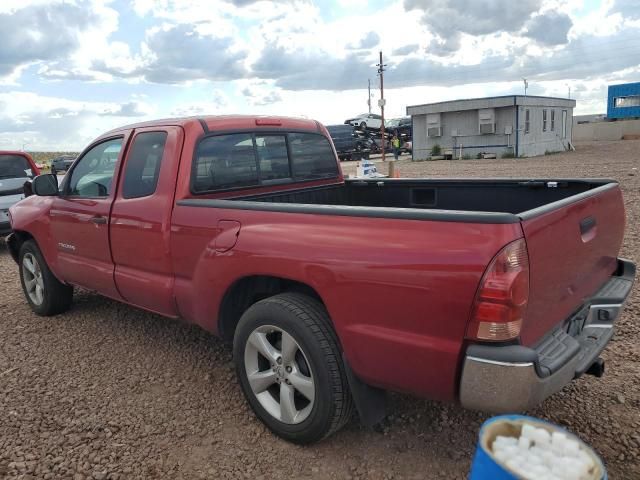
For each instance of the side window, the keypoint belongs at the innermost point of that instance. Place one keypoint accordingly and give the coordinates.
(273, 157)
(225, 161)
(92, 175)
(311, 156)
(527, 121)
(143, 164)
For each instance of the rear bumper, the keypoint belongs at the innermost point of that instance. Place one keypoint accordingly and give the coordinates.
(516, 378)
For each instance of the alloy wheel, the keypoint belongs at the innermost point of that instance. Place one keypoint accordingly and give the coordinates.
(33, 280)
(279, 374)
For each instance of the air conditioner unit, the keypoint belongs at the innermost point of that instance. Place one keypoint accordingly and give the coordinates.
(434, 132)
(487, 128)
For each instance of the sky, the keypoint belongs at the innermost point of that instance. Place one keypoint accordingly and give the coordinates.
(73, 69)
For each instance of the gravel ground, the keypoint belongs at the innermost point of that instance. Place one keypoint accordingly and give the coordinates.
(108, 391)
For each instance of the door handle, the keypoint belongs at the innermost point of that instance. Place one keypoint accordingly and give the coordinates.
(98, 220)
(588, 229)
(587, 224)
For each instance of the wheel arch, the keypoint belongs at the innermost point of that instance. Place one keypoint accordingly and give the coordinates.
(248, 290)
(15, 241)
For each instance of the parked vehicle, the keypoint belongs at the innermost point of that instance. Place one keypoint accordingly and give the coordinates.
(366, 121)
(16, 168)
(401, 126)
(61, 163)
(349, 144)
(493, 293)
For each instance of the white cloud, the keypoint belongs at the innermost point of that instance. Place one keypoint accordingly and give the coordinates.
(294, 57)
(53, 123)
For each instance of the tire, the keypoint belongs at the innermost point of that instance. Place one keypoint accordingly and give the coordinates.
(54, 171)
(363, 126)
(316, 368)
(54, 296)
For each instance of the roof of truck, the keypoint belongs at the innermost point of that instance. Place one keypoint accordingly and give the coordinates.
(15, 152)
(229, 122)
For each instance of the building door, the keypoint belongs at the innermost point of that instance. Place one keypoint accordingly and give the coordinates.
(564, 124)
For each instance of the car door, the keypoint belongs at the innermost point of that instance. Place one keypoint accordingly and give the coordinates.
(374, 121)
(140, 225)
(80, 218)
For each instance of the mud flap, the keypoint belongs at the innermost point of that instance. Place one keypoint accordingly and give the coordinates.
(371, 402)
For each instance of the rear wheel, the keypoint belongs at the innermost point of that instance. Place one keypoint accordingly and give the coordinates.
(289, 366)
(45, 294)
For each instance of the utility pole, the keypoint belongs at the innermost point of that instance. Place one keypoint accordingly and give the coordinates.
(526, 85)
(369, 97)
(381, 103)
(569, 87)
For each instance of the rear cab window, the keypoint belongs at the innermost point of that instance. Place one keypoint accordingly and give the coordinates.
(240, 160)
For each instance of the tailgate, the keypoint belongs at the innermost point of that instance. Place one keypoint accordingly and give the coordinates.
(573, 245)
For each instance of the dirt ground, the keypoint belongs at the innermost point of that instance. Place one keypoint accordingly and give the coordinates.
(106, 391)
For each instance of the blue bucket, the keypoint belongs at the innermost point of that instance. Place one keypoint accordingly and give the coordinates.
(485, 467)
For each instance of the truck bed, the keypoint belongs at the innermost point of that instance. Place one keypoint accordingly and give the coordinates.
(486, 201)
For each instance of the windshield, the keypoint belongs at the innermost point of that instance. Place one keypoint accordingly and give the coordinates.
(14, 166)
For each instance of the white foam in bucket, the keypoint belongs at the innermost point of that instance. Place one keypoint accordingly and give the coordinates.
(516, 447)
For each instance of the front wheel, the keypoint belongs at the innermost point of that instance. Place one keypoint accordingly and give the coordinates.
(363, 126)
(289, 366)
(45, 293)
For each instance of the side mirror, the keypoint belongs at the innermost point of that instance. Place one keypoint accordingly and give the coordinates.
(45, 185)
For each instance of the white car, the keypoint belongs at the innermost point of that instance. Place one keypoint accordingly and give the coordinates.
(366, 121)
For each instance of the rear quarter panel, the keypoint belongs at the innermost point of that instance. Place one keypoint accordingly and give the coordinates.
(398, 291)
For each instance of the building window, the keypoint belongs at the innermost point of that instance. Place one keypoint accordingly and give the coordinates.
(544, 120)
(625, 102)
(527, 121)
(553, 120)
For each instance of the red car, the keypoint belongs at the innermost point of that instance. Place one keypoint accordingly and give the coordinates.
(16, 169)
(492, 293)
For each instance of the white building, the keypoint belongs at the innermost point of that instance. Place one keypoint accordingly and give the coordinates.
(518, 125)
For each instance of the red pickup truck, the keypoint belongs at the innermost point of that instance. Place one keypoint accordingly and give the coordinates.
(493, 293)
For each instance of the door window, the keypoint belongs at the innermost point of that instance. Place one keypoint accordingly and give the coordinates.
(143, 164)
(92, 177)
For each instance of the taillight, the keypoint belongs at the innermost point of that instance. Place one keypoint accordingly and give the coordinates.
(503, 295)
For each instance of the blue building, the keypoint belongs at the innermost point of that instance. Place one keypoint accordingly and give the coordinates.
(624, 101)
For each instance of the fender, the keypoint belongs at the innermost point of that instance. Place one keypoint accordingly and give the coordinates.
(30, 218)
